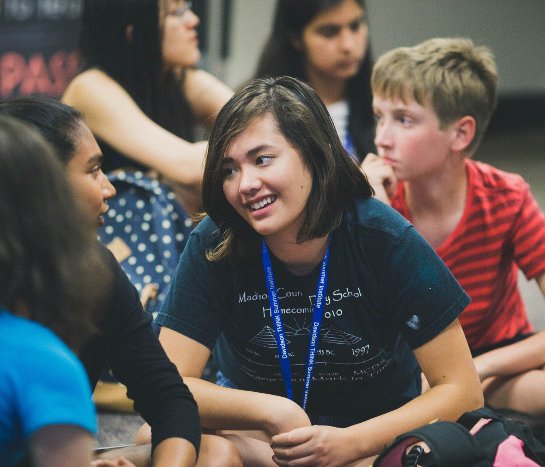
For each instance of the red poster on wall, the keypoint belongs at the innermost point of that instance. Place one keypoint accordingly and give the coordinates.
(38, 46)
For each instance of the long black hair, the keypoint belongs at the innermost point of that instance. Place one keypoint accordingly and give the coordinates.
(58, 123)
(135, 60)
(280, 57)
(51, 270)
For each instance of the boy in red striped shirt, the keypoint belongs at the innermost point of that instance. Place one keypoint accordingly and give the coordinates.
(432, 104)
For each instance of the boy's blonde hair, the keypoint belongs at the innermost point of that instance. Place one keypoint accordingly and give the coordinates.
(452, 74)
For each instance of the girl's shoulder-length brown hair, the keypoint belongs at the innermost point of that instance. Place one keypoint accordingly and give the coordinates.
(304, 121)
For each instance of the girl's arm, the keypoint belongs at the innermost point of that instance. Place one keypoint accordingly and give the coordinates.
(520, 357)
(223, 408)
(455, 389)
(206, 95)
(113, 116)
(56, 445)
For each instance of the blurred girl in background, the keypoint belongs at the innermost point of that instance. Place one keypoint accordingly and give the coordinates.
(326, 44)
(139, 91)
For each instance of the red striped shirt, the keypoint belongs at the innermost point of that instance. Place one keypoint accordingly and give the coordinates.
(501, 230)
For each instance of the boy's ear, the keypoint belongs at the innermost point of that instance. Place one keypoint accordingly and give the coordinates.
(463, 133)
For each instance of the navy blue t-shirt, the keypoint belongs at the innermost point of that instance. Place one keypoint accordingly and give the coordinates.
(388, 292)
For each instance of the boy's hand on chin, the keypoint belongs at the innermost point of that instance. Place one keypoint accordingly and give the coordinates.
(381, 177)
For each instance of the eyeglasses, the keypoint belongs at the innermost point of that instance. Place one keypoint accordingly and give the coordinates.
(181, 10)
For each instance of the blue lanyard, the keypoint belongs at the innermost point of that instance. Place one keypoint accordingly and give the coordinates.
(349, 146)
(278, 324)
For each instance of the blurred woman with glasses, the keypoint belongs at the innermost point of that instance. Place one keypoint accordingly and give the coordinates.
(140, 91)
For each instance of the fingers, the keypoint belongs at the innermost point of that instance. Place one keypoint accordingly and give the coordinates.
(294, 447)
(369, 160)
(296, 455)
(292, 438)
(301, 447)
(376, 170)
(369, 157)
(381, 177)
(374, 166)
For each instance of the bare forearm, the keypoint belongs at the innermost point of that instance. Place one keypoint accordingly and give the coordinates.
(206, 95)
(443, 402)
(112, 114)
(180, 161)
(525, 355)
(56, 445)
(516, 358)
(234, 409)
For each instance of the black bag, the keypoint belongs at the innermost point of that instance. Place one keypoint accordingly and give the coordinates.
(479, 438)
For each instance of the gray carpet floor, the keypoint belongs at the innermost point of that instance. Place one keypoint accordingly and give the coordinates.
(117, 428)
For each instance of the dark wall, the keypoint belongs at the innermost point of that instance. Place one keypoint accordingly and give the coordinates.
(38, 45)
(39, 41)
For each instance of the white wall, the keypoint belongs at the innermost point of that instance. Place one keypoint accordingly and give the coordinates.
(250, 25)
(515, 30)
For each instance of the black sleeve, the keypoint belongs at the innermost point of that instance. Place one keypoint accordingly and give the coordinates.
(138, 360)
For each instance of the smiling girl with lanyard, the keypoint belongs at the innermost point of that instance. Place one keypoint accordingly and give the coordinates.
(315, 297)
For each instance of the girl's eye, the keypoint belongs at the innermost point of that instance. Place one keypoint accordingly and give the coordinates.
(328, 31)
(227, 171)
(260, 160)
(356, 25)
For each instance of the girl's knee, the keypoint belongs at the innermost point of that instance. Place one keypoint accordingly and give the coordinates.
(217, 451)
(143, 436)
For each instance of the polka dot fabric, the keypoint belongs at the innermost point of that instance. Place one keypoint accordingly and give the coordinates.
(146, 218)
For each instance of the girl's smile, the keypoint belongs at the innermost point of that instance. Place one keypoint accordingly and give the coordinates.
(266, 180)
(261, 204)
